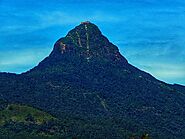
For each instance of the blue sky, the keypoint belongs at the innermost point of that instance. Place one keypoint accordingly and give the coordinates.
(149, 33)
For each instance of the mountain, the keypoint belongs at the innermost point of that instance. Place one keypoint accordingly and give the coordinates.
(87, 82)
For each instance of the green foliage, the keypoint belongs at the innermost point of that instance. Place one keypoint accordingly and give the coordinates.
(21, 121)
(145, 136)
(22, 113)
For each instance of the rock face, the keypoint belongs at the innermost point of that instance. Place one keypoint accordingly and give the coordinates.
(85, 77)
(87, 41)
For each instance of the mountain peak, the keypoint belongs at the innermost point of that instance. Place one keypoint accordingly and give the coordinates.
(85, 30)
(87, 41)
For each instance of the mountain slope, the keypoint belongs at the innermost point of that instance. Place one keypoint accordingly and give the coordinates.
(85, 77)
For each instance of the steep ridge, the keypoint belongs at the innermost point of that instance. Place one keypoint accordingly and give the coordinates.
(85, 77)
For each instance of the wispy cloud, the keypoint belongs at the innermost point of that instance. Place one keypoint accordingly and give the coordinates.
(22, 60)
(166, 70)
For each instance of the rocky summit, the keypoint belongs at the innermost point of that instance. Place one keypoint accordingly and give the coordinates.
(88, 85)
(87, 41)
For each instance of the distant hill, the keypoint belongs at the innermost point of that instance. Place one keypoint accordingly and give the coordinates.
(87, 84)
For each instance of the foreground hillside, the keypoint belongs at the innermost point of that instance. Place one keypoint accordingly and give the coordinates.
(92, 89)
(21, 121)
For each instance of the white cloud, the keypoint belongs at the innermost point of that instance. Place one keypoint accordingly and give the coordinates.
(169, 72)
(19, 61)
